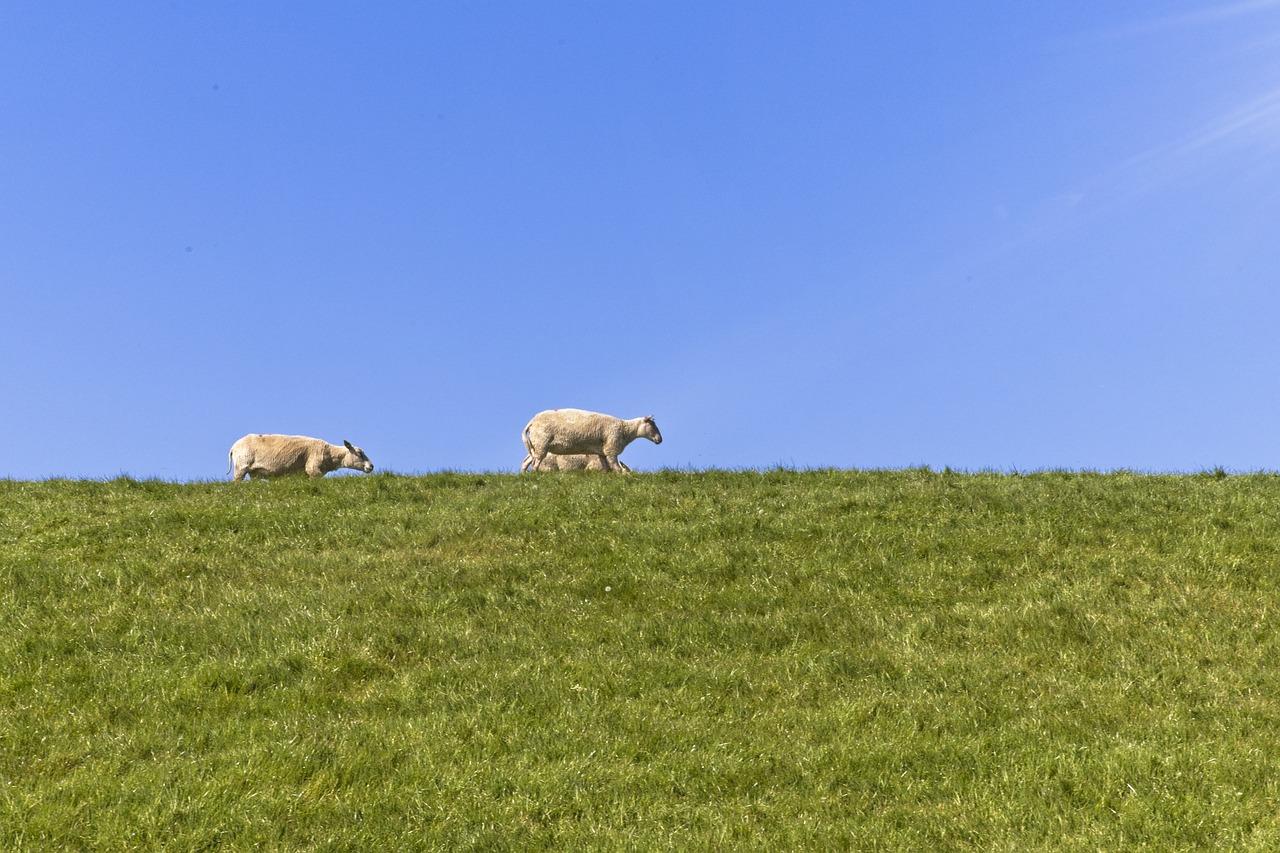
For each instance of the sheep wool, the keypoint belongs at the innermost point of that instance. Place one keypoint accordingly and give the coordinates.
(575, 431)
(259, 456)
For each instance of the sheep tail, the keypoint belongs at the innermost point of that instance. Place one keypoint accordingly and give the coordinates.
(528, 446)
(228, 461)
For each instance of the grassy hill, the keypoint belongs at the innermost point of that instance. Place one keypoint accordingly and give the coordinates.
(824, 659)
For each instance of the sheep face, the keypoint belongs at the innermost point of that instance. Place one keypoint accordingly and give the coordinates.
(649, 430)
(356, 459)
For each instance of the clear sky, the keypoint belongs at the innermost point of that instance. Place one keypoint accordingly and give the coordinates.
(983, 235)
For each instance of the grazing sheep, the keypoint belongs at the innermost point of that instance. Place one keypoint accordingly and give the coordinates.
(575, 431)
(259, 456)
(570, 462)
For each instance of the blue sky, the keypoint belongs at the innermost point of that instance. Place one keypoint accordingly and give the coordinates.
(989, 235)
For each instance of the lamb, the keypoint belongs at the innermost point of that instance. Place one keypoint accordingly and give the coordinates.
(260, 456)
(570, 462)
(576, 431)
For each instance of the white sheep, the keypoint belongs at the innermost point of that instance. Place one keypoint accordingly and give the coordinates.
(259, 456)
(576, 431)
(570, 462)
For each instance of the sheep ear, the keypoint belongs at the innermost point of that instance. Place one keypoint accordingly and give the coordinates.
(349, 445)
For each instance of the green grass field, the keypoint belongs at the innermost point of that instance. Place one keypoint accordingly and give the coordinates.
(896, 660)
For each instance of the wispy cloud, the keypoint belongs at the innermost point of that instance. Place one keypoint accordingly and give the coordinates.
(1252, 125)
(1255, 123)
(1211, 14)
(1246, 137)
(1240, 138)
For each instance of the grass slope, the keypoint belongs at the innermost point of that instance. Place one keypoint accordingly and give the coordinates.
(821, 659)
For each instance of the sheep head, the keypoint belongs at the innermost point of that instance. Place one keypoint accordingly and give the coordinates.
(355, 458)
(649, 429)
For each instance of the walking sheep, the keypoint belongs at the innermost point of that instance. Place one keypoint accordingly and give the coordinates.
(570, 462)
(576, 431)
(259, 456)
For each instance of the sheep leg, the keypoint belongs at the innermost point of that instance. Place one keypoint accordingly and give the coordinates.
(528, 460)
(615, 464)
